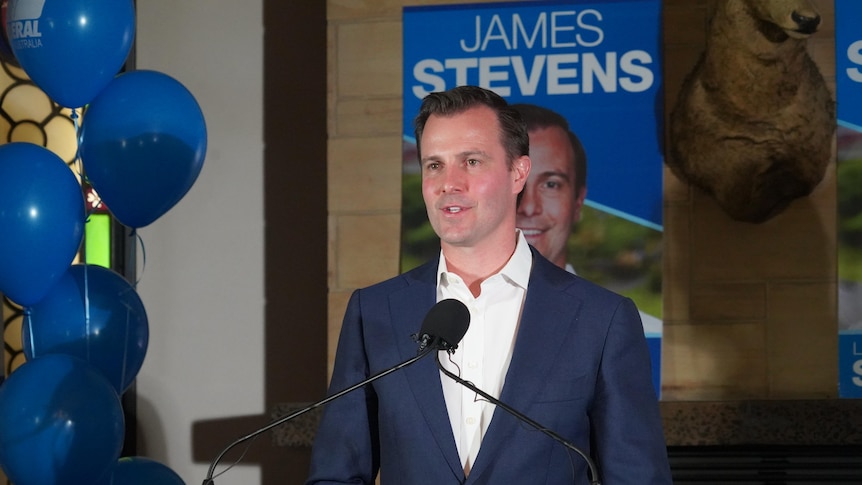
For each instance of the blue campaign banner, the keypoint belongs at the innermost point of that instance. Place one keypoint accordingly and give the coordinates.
(848, 88)
(850, 364)
(598, 63)
(848, 62)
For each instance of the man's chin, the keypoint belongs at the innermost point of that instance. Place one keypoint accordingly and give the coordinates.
(538, 242)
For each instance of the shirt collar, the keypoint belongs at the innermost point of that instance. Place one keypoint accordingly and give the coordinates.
(516, 270)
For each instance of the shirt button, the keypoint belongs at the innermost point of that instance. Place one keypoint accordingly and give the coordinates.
(472, 364)
(471, 421)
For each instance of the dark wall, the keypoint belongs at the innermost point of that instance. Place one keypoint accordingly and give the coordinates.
(296, 214)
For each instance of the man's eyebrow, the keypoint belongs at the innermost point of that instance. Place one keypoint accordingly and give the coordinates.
(470, 153)
(554, 173)
(464, 154)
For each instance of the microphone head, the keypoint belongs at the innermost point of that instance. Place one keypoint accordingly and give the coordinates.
(446, 323)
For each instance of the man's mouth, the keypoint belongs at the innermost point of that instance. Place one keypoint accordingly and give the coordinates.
(531, 232)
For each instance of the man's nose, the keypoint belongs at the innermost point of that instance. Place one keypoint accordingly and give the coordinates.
(454, 180)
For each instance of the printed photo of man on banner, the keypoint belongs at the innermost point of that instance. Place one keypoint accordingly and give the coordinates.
(586, 77)
(848, 75)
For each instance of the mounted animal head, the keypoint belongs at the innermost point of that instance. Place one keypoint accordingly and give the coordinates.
(795, 18)
(754, 119)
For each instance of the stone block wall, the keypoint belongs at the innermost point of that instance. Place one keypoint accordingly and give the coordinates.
(749, 309)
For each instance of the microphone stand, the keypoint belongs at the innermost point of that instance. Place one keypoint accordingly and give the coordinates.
(594, 474)
(422, 353)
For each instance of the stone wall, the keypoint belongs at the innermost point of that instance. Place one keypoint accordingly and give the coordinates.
(749, 310)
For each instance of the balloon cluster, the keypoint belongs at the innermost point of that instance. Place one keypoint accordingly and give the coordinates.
(141, 146)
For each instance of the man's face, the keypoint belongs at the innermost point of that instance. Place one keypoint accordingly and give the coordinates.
(469, 191)
(550, 206)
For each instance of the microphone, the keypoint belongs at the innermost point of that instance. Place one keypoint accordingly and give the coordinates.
(443, 328)
(594, 474)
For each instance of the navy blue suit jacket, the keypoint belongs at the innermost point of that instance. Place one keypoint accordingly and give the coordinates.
(580, 367)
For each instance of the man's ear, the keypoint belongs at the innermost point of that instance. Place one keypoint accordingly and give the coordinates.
(579, 204)
(520, 172)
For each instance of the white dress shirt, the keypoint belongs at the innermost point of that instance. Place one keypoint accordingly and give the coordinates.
(484, 353)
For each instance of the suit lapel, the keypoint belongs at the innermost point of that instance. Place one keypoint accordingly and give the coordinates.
(546, 319)
(411, 304)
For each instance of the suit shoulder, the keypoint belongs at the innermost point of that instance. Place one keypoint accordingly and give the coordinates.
(572, 283)
(421, 274)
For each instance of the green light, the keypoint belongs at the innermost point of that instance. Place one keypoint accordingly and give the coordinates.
(97, 240)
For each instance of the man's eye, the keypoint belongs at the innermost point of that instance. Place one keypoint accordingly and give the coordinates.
(473, 162)
(432, 166)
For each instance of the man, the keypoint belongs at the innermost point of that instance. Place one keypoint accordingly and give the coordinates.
(557, 186)
(555, 192)
(566, 353)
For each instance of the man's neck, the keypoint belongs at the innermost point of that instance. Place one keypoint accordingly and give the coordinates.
(476, 264)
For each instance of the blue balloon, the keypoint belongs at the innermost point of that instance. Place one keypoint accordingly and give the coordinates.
(94, 314)
(143, 142)
(137, 470)
(60, 422)
(71, 49)
(41, 220)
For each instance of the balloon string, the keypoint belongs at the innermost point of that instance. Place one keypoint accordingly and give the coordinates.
(91, 206)
(29, 319)
(89, 212)
(126, 342)
(87, 309)
(140, 240)
(78, 162)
